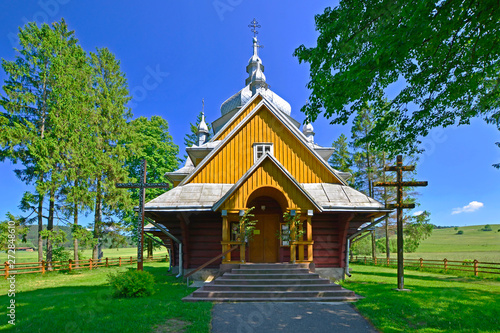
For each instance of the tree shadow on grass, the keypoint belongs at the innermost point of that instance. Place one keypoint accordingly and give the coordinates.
(446, 306)
(93, 309)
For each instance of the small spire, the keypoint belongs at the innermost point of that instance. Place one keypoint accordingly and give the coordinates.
(202, 127)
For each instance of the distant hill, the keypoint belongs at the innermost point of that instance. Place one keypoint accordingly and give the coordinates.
(473, 239)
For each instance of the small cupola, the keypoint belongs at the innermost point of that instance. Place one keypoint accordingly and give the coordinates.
(308, 131)
(202, 130)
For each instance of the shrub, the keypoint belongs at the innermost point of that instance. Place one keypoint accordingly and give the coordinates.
(132, 283)
(460, 232)
(487, 228)
(468, 262)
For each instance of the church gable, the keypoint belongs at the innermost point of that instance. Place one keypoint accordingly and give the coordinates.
(267, 173)
(236, 154)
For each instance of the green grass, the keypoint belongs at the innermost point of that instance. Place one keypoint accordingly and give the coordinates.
(82, 302)
(437, 303)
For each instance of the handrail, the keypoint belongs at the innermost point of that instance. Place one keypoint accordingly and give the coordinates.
(211, 261)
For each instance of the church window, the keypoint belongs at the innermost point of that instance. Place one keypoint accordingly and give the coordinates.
(259, 149)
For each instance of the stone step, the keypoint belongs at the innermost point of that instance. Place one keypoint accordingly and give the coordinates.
(273, 266)
(268, 281)
(272, 299)
(270, 271)
(271, 276)
(271, 287)
(273, 294)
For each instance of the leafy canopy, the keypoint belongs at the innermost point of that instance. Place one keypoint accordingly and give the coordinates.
(445, 50)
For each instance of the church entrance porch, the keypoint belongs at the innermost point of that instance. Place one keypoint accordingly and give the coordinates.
(264, 246)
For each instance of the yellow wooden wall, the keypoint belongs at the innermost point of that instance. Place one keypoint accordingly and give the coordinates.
(270, 175)
(236, 157)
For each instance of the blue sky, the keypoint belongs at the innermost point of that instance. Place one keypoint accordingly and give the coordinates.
(176, 53)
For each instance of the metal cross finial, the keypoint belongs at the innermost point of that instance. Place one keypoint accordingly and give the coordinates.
(254, 25)
(203, 105)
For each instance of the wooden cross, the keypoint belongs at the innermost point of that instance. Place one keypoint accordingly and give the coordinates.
(399, 183)
(142, 186)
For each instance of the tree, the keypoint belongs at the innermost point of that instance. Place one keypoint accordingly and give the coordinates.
(11, 230)
(39, 89)
(150, 139)
(445, 50)
(108, 125)
(342, 158)
(417, 229)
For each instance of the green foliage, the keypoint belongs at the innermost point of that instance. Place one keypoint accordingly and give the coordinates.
(15, 224)
(132, 283)
(460, 232)
(456, 228)
(415, 230)
(56, 237)
(487, 228)
(247, 225)
(381, 245)
(59, 253)
(342, 158)
(468, 262)
(85, 237)
(361, 247)
(294, 226)
(441, 49)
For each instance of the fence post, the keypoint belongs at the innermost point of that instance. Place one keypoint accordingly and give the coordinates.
(365, 260)
(445, 264)
(421, 263)
(119, 261)
(6, 270)
(107, 262)
(475, 268)
(131, 262)
(43, 266)
(90, 263)
(375, 261)
(70, 262)
(388, 261)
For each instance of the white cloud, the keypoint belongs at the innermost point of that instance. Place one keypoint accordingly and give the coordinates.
(417, 213)
(471, 207)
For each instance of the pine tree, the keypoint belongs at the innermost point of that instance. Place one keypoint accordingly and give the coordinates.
(108, 125)
(342, 158)
(34, 92)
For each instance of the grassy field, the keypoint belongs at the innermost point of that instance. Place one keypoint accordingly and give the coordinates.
(472, 244)
(437, 303)
(22, 256)
(82, 302)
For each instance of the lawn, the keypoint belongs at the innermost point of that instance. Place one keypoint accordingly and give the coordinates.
(437, 303)
(82, 302)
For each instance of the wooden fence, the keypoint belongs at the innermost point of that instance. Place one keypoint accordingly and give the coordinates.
(472, 266)
(70, 265)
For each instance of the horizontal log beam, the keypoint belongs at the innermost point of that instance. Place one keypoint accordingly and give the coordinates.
(425, 183)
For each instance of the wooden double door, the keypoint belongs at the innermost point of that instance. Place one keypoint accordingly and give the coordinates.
(264, 247)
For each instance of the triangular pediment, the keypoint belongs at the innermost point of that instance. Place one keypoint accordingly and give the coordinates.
(267, 172)
(234, 155)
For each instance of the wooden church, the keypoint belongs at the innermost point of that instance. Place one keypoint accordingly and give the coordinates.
(259, 157)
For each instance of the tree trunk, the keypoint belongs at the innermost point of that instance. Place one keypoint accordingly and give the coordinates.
(50, 227)
(97, 218)
(75, 241)
(40, 228)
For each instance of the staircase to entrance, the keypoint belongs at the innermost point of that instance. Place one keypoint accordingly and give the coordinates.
(271, 283)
